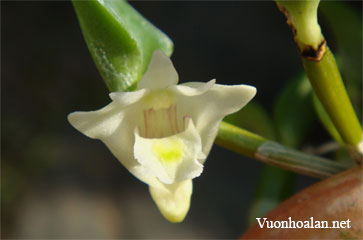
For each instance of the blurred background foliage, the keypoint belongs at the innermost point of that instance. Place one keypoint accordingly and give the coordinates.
(57, 183)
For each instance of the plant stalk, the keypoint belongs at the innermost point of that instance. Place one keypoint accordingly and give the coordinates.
(328, 85)
(270, 152)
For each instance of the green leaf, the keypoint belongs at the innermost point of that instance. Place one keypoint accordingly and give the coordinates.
(293, 112)
(120, 40)
(338, 15)
(326, 121)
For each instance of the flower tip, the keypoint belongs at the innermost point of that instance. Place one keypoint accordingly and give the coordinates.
(72, 118)
(173, 202)
(173, 218)
(247, 92)
(252, 90)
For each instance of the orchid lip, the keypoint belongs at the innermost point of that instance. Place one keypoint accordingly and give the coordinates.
(173, 158)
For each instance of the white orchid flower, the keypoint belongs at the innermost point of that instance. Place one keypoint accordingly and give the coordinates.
(163, 132)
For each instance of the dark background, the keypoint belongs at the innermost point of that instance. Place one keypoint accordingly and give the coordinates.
(57, 183)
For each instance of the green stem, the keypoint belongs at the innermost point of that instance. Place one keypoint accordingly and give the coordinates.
(322, 70)
(254, 146)
(328, 86)
(238, 139)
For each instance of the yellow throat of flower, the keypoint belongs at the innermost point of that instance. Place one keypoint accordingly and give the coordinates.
(168, 150)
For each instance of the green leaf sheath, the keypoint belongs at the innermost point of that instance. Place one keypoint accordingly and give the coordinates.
(302, 17)
(120, 40)
(254, 146)
(328, 86)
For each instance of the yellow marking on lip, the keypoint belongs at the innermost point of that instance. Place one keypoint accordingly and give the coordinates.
(168, 150)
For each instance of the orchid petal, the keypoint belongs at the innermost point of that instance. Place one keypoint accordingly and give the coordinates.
(111, 126)
(160, 73)
(193, 88)
(209, 108)
(125, 99)
(97, 124)
(104, 122)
